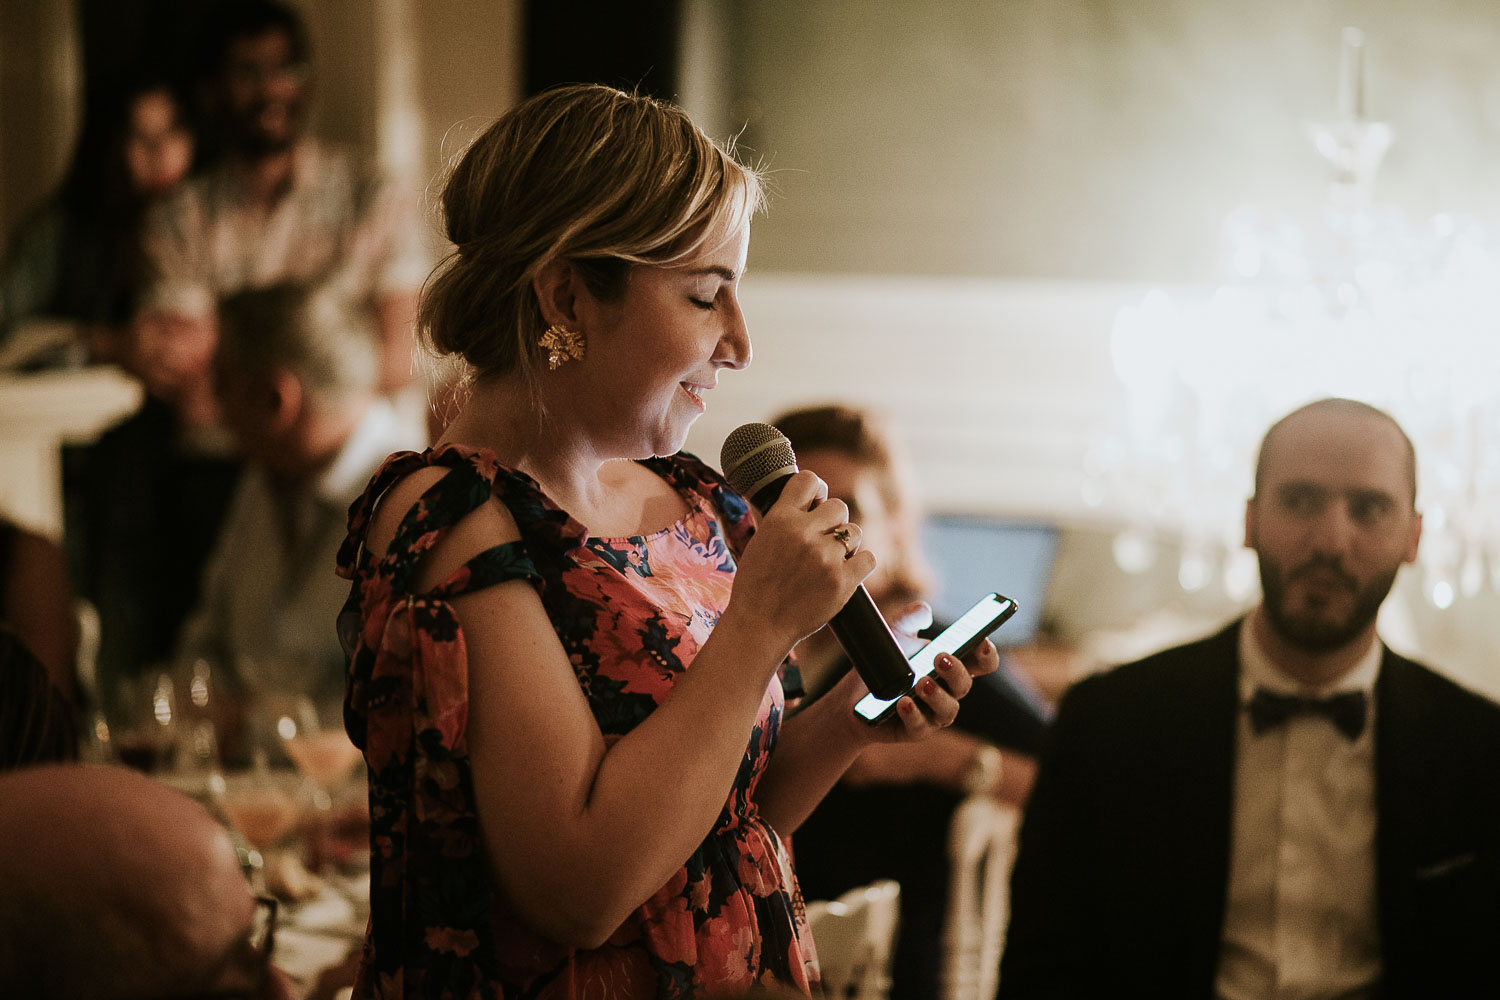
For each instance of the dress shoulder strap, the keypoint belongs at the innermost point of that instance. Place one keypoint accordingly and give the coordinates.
(470, 481)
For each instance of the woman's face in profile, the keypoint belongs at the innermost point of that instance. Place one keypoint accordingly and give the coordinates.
(158, 149)
(662, 347)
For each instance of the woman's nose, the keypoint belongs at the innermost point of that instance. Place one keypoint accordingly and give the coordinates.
(734, 343)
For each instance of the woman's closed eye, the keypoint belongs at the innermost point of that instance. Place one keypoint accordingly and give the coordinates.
(706, 296)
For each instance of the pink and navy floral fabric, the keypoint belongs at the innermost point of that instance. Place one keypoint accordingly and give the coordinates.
(631, 613)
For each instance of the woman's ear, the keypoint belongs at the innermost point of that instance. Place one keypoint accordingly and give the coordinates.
(558, 287)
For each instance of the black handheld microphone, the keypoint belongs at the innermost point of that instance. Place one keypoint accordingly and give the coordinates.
(757, 461)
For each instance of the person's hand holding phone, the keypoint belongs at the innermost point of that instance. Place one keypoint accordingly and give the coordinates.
(937, 668)
(942, 679)
(933, 701)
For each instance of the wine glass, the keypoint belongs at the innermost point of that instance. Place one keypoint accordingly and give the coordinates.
(326, 759)
(321, 753)
(261, 807)
(196, 749)
(146, 717)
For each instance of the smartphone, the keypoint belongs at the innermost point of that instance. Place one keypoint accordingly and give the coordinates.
(960, 638)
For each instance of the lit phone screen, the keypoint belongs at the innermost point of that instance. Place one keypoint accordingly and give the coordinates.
(958, 639)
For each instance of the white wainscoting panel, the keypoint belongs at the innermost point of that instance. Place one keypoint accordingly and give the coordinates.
(996, 386)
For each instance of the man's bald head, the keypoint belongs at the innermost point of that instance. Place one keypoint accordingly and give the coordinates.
(1334, 407)
(114, 885)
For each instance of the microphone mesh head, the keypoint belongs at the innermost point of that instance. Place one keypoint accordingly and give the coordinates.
(755, 454)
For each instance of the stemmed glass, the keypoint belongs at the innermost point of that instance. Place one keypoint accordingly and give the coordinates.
(324, 756)
(321, 753)
(146, 716)
(261, 808)
(196, 751)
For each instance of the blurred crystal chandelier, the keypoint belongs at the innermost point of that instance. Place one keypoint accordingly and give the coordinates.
(1354, 301)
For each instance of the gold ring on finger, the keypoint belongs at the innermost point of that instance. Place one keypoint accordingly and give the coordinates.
(846, 539)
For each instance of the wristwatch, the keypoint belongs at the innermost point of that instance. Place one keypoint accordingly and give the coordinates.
(983, 771)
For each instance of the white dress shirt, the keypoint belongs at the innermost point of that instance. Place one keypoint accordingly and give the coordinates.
(1301, 921)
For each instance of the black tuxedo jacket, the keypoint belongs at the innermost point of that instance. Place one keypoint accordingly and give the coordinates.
(1123, 867)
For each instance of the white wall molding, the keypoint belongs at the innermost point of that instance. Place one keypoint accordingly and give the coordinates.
(997, 386)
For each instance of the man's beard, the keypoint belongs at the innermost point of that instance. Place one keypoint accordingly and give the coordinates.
(255, 143)
(1318, 635)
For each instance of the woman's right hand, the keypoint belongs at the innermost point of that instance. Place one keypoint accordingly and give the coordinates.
(796, 573)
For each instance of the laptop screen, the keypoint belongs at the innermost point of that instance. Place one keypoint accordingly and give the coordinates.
(973, 556)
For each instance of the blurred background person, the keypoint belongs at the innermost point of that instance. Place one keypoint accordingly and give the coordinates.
(297, 372)
(276, 205)
(112, 885)
(890, 814)
(858, 454)
(76, 258)
(75, 266)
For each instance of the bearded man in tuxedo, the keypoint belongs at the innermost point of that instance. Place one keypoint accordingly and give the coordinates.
(1287, 808)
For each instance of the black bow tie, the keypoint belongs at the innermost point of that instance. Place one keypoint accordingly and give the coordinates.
(1347, 710)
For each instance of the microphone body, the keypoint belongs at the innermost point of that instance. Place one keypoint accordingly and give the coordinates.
(862, 631)
(858, 625)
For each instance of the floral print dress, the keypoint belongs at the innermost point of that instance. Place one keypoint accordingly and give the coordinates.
(630, 613)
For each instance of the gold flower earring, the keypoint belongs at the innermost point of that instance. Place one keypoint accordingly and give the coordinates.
(561, 345)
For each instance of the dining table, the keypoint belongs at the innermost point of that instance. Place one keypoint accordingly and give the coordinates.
(315, 862)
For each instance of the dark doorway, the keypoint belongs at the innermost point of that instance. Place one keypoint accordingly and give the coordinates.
(632, 46)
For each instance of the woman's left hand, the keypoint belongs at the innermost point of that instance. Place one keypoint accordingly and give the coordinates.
(933, 703)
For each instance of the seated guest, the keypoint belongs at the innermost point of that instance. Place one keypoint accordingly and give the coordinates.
(36, 722)
(75, 265)
(1287, 808)
(113, 885)
(889, 816)
(855, 452)
(297, 373)
(76, 257)
(276, 205)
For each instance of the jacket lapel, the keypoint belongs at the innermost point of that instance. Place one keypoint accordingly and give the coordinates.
(1399, 705)
(1206, 803)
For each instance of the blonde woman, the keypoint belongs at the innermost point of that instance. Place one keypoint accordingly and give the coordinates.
(566, 641)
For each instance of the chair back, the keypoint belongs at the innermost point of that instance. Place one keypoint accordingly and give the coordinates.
(854, 936)
(981, 851)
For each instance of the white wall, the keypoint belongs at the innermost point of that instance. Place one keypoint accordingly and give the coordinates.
(998, 386)
(1067, 138)
(1099, 145)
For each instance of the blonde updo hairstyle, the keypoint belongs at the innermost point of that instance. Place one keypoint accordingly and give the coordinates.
(583, 173)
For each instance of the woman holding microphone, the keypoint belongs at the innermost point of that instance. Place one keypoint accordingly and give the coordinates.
(565, 649)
